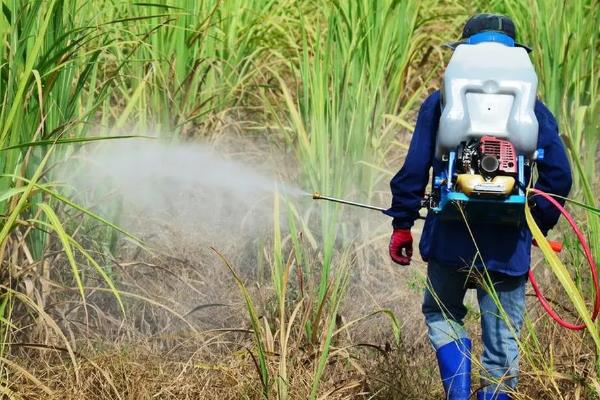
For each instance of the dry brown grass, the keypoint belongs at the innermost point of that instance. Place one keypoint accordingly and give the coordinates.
(197, 345)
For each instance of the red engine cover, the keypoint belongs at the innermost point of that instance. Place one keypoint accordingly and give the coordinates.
(503, 150)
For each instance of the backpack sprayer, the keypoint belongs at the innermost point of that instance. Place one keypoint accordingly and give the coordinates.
(488, 133)
(487, 136)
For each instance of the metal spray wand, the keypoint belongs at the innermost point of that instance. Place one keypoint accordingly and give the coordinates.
(319, 196)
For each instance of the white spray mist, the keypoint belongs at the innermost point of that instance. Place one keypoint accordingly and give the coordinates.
(175, 193)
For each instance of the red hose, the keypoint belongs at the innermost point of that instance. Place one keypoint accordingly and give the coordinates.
(590, 259)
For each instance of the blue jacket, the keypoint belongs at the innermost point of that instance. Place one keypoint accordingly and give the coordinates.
(505, 249)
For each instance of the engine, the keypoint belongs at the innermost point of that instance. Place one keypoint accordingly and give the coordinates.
(486, 167)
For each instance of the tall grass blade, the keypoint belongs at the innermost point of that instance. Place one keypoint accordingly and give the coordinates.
(65, 240)
(255, 323)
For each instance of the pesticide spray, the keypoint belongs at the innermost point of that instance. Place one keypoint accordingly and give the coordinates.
(185, 196)
(175, 194)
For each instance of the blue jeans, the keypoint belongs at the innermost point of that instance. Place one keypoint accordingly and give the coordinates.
(444, 314)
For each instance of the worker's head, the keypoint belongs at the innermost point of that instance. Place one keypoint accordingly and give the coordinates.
(489, 28)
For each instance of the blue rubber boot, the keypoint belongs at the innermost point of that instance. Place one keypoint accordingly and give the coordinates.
(454, 360)
(492, 396)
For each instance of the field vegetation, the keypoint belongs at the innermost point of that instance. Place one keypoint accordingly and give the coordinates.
(100, 300)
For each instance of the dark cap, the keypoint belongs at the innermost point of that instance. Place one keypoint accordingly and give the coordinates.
(488, 23)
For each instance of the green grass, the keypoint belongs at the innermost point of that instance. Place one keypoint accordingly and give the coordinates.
(46, 65)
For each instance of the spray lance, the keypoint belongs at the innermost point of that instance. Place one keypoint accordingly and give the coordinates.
(319, 196)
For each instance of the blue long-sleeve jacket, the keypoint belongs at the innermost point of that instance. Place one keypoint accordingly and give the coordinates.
(503, 248)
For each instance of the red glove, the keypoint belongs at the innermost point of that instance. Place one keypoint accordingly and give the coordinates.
(401, 248)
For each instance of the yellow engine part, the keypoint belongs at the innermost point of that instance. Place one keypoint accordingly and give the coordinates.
(471, 184)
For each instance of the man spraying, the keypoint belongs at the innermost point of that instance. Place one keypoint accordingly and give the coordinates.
(481, 135)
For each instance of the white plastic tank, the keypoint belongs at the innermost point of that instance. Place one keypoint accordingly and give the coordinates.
(489, 89)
